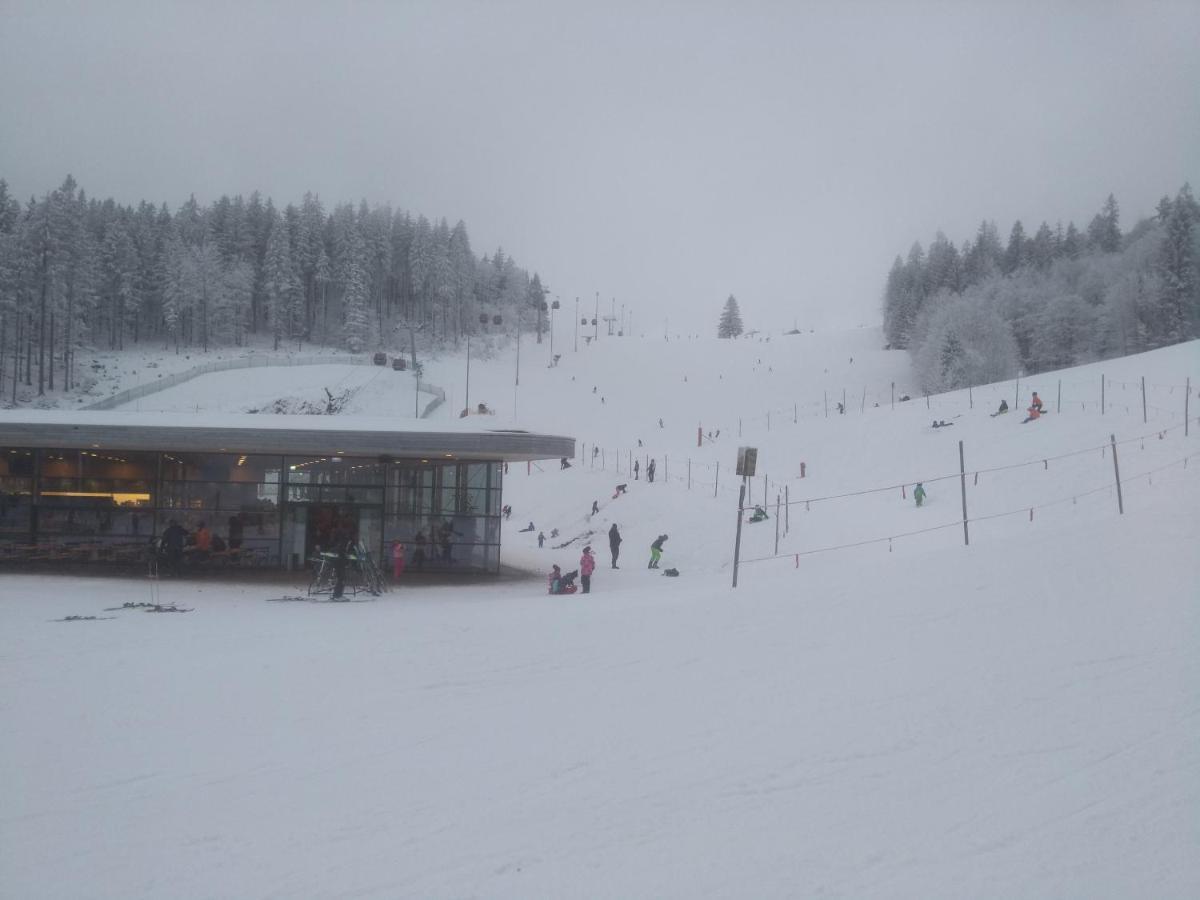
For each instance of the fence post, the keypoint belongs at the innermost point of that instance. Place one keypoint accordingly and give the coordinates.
(689, 473)
(666, 467)
(603, 465)
(971, 396)
(863, 406)
(962, 474)
(768, 420)
(737, 541)
(787, 510)
(1059, 409)
(843, 401)
(739, 426)
(1187, 392)
(1017, 398)
(1143, 399)
(716, 479)
(826, 395)
(699, 435)
(1117, 475)
(766, 487)
(776, 524)
(1101, 393)
(795, 413)
(893, 395)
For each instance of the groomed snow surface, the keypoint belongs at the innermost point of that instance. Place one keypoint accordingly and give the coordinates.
(1017, 718)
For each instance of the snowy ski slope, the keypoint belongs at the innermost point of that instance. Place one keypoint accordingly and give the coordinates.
(912, 718)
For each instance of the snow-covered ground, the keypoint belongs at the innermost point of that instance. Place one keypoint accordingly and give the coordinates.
(904, 718)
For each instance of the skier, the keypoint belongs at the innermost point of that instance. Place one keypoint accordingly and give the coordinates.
(202, 538)
(614, 544)
(541, 540)
(172, 544)
(1032, 414)
(650, 471)
(656, 550)
(419, 553)
(919, 494)
(595, 507)
(637, 466)
(235, 531)
(397, 560)
(587, 564)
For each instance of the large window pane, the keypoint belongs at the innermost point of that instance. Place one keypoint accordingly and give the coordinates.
(235, 467)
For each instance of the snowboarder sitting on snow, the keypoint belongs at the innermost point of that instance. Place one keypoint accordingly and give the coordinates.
(758, 515)
(919, 493)
(656, 550)
(528, 527)
(1003, 408)
(1036, 402)
(1032, 415)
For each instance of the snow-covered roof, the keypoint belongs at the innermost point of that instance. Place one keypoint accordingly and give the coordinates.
(329, 435)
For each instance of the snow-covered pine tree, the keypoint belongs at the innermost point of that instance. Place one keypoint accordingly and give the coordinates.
(730, 325)
(356, 317)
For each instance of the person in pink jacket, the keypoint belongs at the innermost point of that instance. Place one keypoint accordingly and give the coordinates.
(587, 565)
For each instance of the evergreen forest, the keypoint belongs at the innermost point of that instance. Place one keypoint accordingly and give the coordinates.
(985, 310)
(77, 272)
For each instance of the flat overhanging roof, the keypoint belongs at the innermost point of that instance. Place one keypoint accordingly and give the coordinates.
(299, 435)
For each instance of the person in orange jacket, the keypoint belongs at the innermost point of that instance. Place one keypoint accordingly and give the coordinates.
(1033, 413)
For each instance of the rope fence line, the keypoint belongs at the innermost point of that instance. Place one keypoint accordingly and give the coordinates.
(732, 486)
(1024, 510)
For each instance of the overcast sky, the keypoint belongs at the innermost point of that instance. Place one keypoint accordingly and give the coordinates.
(664, 154)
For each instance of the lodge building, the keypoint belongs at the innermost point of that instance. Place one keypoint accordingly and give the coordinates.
(96, 487)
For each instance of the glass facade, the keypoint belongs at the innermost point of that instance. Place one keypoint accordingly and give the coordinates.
(257, 510)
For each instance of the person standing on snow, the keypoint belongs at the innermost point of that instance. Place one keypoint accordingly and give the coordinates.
(595, 507)
(587, 565)
(919, 494)
(650, 471)
(637, 467)
(614, 544)
(656, 550)
(397, 560)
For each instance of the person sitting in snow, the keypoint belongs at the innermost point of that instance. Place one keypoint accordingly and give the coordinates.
(759, 514)
(528, 527)
(1032, 414)
(1036, 402)
(1003, 408)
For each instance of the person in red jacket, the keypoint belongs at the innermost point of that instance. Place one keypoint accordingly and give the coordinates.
(587, 565)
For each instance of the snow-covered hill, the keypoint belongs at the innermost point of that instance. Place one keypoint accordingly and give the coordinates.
(894, 718)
